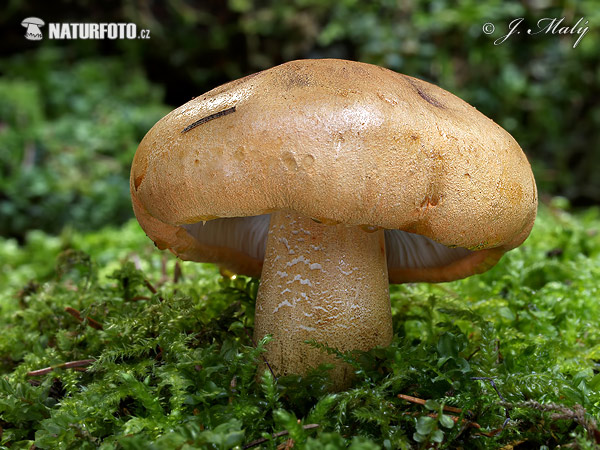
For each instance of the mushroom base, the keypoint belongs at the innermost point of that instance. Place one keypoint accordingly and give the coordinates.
(327, 283)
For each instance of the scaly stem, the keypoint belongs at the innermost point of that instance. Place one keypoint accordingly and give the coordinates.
(323, 282)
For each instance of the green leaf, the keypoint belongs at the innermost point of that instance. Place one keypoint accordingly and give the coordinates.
(437, 436)
(446, 421)
(449, 345)
(432, 405)
(425, 425)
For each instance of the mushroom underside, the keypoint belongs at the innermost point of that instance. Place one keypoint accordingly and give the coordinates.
(327, 283)
(248, 235)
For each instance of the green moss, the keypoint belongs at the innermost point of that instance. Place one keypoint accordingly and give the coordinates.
(69, 133)
(175, 367)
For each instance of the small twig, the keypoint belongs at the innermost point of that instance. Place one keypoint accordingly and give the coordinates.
(561, 412)
(91, 322)
(177, 273)
(410, 398)
(279, 434)
(468, 358)
(491, 380)
(152, 289)
(67, 365)
(506, 409)
(287, 445)
(465, 422)
(489, 433)
(420, 401)
(74, 313)
(208, 118)
(163, 270)
(264, 359)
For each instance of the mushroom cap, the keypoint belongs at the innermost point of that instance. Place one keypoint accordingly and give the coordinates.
(341, 142)
(32, 21)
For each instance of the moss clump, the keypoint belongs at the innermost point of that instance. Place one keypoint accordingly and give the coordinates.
(150, 353)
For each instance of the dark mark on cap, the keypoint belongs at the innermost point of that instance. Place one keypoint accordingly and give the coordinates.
(208, 118)
(424, 95)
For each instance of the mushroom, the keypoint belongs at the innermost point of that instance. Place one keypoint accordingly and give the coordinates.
(33, 25)
(330, 179)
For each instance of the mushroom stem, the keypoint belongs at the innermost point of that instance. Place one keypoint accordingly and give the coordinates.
(323, 282)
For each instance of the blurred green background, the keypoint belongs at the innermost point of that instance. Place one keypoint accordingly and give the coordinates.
(73, 111)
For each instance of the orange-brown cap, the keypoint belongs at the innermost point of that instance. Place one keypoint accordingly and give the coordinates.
(341, 142)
